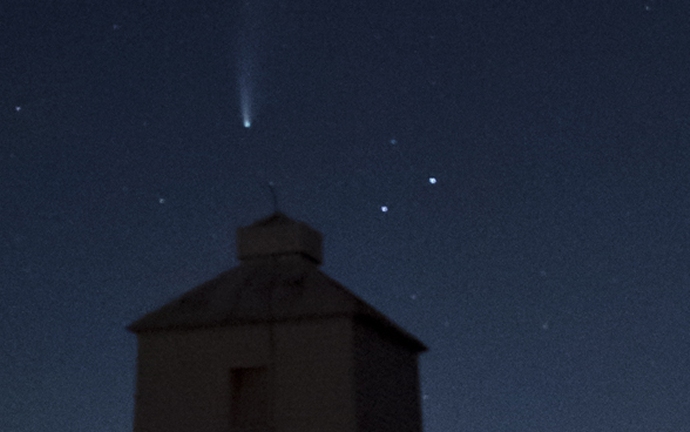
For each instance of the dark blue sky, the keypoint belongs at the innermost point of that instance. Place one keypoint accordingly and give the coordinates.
(547, 268)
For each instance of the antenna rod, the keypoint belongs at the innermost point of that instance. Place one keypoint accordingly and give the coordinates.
(272, 188)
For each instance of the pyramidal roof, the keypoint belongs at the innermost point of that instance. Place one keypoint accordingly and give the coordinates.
(277, 279)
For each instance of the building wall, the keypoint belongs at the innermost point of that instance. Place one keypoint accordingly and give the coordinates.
(314, 376)
(387, 383)
(184, 379)
(183, 376)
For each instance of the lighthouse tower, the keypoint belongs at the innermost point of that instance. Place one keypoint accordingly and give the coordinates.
(274, 345)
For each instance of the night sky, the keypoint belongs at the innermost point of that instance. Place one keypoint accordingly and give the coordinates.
(532, 156)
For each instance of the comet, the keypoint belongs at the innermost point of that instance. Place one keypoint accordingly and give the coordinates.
(245, 101)
(248, 68)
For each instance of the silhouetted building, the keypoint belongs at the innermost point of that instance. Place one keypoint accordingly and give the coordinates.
(275, 345)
